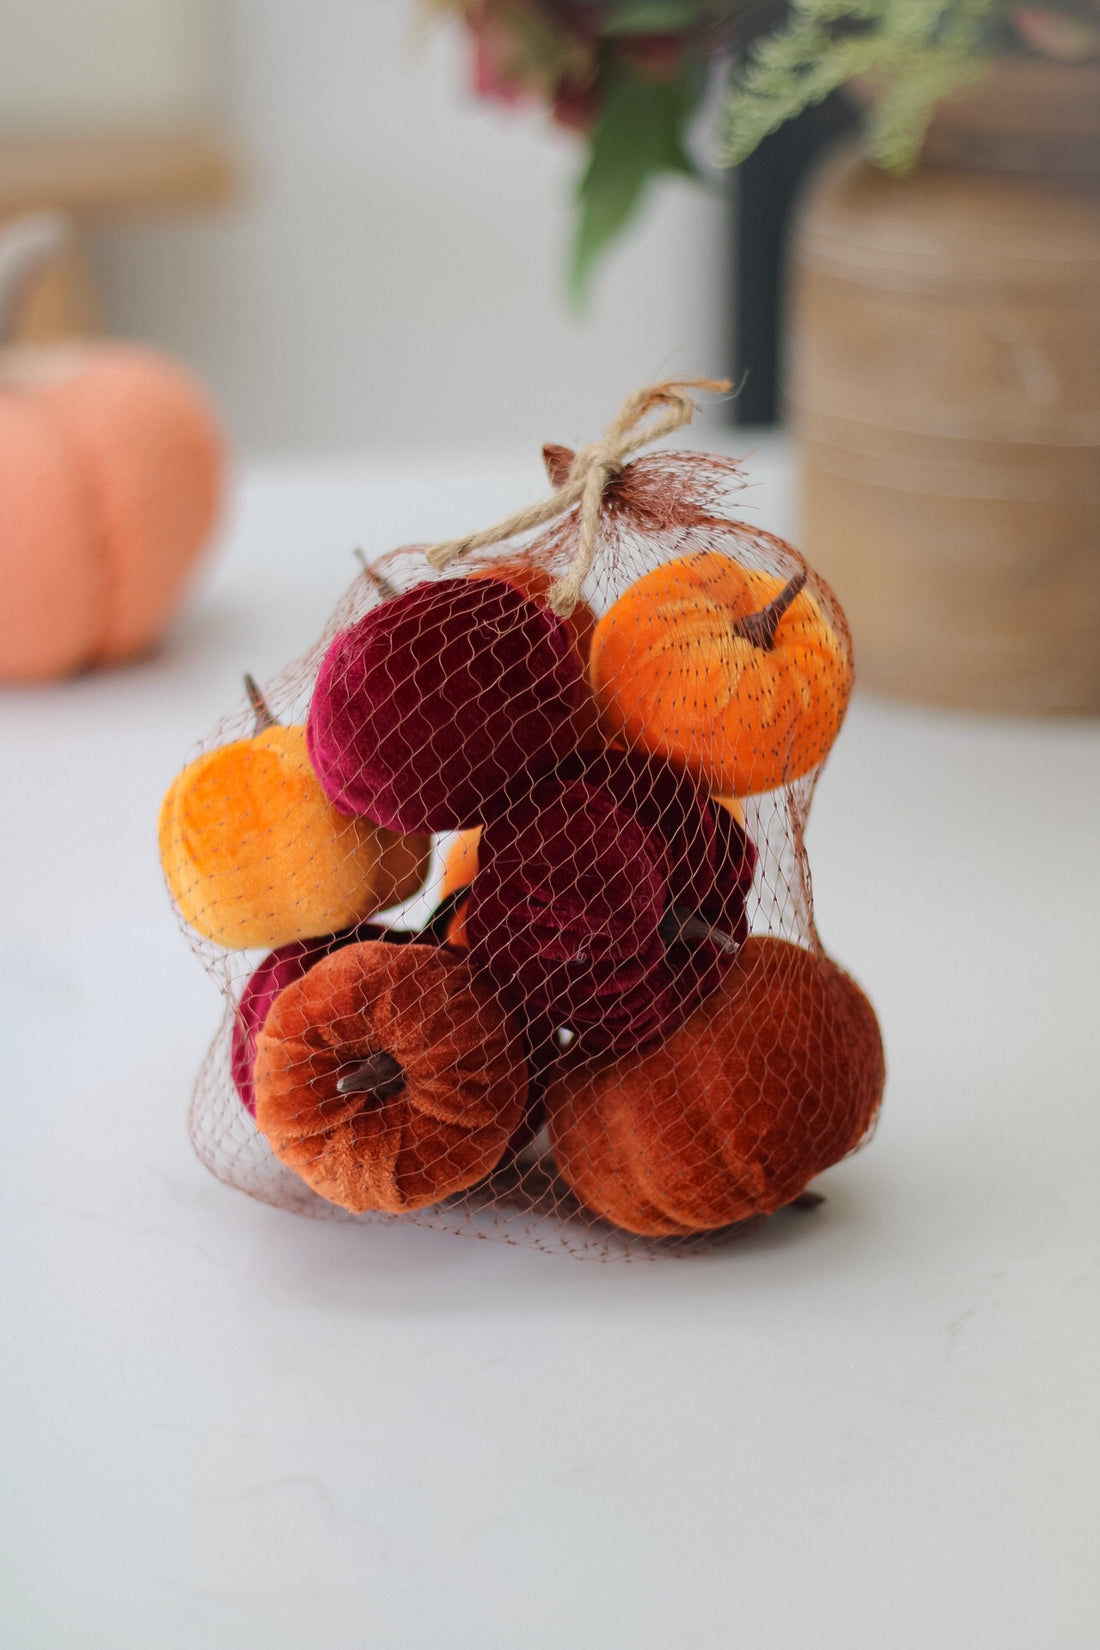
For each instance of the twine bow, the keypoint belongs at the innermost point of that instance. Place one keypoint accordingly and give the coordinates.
(591, 469)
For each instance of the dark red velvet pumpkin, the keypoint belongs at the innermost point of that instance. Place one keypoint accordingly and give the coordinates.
(776, 1076)
(438, 701)
(388, 1078)
(594, 895)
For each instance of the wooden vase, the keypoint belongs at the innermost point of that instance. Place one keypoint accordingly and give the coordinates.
(943, 384)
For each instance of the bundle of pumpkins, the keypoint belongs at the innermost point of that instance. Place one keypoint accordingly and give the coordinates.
(590, 968)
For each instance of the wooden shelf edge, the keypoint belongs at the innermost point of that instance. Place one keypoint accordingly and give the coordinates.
(127, 172)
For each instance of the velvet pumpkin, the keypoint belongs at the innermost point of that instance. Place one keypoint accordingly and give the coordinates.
(388, 1078)
(534, 581)
(447, 927)
(733, 674)
(434, 704)
(441, 925)
(460, 862)
(279, 969)
(776, 1076)
(111, 475)
(255, 855)
(453, 932)
(598, 895)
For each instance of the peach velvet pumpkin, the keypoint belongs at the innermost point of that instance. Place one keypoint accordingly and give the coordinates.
(111, 469)
(734, 674)
(777, 1075)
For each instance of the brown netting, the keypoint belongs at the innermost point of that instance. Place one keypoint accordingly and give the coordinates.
(505, 884)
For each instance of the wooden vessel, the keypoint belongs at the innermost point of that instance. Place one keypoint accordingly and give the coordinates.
(943, 382)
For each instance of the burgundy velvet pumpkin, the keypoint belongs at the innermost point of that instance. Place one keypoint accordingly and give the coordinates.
(594, 894)
(437, 701)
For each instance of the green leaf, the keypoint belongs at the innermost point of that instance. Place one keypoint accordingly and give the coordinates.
(639, 134)
(917, 50)
(656, 17)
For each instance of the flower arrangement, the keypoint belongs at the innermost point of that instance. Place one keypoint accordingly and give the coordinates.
(630, 75)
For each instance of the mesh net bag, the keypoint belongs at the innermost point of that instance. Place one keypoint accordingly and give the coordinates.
(505, 887)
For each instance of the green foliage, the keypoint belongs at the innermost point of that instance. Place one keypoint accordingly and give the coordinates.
(663, 16)
(639, 134)
(630, 74)
(915, 51)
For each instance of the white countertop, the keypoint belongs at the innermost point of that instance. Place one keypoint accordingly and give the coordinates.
(869, 1428)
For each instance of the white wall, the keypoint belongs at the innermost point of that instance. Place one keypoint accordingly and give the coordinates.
(74, 66)
(394, 273)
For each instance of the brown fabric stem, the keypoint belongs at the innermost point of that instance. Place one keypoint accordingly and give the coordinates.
(385, 589)
(379, 1076)
(760, 628)
(588, 472)
(27, 244)
(264, 718)
(680, 924)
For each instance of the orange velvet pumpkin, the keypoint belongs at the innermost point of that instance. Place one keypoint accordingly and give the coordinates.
(110, 480)
(460, 864)
(388, 1078)
(734, 674)
(776, 1076)
(732, 807)
(454, 932)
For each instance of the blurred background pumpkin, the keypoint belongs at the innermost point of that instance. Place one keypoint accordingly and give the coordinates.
(111, 473)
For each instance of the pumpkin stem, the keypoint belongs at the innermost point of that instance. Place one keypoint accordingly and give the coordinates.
(379, 1076)
(264, 718)
(760, 628)
(26, 246)
(385, 589)
(679, 924)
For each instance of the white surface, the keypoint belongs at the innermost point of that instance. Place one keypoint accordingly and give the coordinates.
(394, 272)
(870, 1428)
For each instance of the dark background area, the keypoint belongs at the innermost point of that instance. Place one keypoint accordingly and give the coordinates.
(763, 191)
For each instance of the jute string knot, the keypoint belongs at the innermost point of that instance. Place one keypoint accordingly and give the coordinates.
(591, 469)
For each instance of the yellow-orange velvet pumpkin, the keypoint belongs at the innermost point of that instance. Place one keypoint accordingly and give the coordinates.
(256, 855)
(734, 674)
(777, 1075)
(111, 470)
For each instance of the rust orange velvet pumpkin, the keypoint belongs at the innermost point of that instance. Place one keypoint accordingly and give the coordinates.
(388, 1077)
(734, 674)
(776, 1076)
(110, 481)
